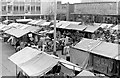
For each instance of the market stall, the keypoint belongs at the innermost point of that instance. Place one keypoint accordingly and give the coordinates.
(25, 21)
(35, 63)
(76, 27)
(16, 32)
(91, 29)
(100, 56)
(38, 63)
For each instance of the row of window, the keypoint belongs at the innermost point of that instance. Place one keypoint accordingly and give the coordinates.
(21, 8)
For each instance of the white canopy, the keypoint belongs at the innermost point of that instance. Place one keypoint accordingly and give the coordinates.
(106, 25)
(46, 24)
(2, 26)
(24, 20)
(85, 73)
(17, 32)
(13, 24)
(117, 27)
(35, 62)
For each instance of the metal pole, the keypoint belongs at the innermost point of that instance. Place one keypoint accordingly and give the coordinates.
(117, 9)
(16, 71)
(54, 27)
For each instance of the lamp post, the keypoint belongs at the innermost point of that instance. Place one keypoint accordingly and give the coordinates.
(54, 27)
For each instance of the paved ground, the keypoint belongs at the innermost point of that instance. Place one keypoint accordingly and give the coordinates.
(7, 67)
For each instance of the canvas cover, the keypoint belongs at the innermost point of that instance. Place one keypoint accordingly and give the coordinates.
(34, 63)
(17, 32)
(76, 27)
(91, 29)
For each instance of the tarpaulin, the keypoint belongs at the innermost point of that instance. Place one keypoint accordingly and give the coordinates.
(76, 27)
(106, 49)
(34, 62)
(24, 20)
(117, 27)
(25, 54)
(17, 32)
(91, 29)
(79, 57)
(86, 44)
(85, 73)
(46, 24)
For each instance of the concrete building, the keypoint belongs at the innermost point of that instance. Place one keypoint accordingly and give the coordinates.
(35, 9)
(13, 9)
(107, 12)
(64, 11)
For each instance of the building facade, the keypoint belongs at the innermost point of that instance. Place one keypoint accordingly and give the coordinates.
(98, 1)
(100, 12)
(13, 9)
(64, 11)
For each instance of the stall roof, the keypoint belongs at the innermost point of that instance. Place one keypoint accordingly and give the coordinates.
(6, 21)
(2, 26)
(24, 20)
(86, 44)
(32, 28)
(39, 65)
(106, 25)
(67, 64)
(76, 27)
(6, 28)
(36, 63)
(98, 24)
(86, 73)
(32, 22)
(39, 23)
(117, 27)
(46, 24)
(106, 49)
(17, 32)
(70, 65)
(26, 54)
(36, 22)
(49, 32)
(24, 26)
(71, 22)
(91, 29)
(57, 25)
(13, 24)
(64, 24)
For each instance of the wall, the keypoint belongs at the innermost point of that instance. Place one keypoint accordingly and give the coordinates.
(101, 8)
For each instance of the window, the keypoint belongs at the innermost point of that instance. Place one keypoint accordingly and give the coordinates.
(32, 8)
(38, 8)
(3, 8)
(9, 8)
(28, 8)
(21, 8)
(15, 8)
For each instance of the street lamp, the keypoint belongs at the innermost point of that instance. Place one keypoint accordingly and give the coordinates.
(54, 27)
